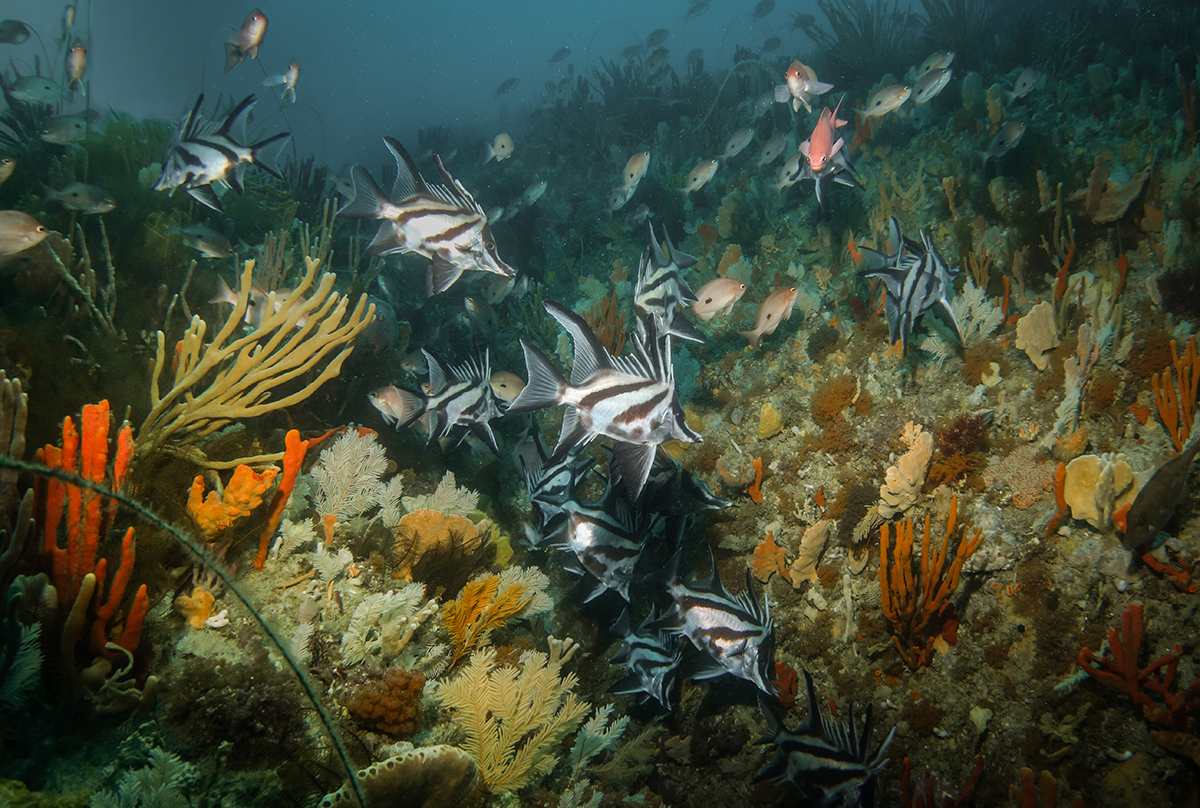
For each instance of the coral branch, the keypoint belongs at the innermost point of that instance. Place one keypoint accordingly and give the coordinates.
(1176, 398)
(905, 610)
(1119, 671)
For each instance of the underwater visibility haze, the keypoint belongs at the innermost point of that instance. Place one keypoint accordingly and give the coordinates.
(556, 404)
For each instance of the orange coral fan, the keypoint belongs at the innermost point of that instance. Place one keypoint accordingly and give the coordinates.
(733, 254)
(432, 543)
(392, 704)
(769, 558)
(907, 613)
(242, 494)
(197, 608)
(478, 610)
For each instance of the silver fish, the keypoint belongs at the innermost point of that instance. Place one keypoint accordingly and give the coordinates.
(63, 130)
(1005, 141)
(631, 400)
(19, 231)
(201, 155)
(35, 90)
(916, 279)
(661, 289)
(831, 763)
(444, 223)
(82, 197)
(932, 83)
(209, 242)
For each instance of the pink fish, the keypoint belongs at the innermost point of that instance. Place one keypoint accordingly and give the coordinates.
(245, 41)
(800, 86)
(771, 312)
(717, 296)
(820, 146)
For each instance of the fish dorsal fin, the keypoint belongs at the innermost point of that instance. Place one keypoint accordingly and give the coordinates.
(590, 355)
(458, 194)
(437, 374)
(713, 585)
(234, 128)
(681, 259)
(656, 252)
(192, 121)
(408, 180)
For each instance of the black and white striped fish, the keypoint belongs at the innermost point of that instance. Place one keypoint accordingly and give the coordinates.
(674, 490)
(551, 485)
(661, 289)
(202, 154)
(830, 762)
(652, 657)
(916, 279)
(444, 223)
(631, 399)
(736, 633)
(460, 395)
(604, 539)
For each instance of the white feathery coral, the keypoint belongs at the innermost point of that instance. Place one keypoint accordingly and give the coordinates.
(448, 499)
(348, 475)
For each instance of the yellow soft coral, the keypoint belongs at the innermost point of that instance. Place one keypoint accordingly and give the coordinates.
(242, 494)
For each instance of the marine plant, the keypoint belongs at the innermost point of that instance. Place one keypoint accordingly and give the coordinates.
(867, 38)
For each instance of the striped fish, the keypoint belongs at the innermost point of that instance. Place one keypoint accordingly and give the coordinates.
(737, 634)
(444, 223)
(605, 539)
(202, 154)
(652, 657)
(830, 762)
(674, 490)
(551, 485)
(630, 399)
(661, 289)
(916, 279)
(460, 395)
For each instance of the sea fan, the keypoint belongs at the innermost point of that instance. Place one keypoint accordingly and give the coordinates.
(348, 476)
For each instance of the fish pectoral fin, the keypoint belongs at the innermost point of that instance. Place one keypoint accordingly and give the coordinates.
(634, 461)
(442, 275)
(205, 195)
(386, 241)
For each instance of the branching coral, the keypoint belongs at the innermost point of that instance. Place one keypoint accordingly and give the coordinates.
(907, 610)
(233, 378)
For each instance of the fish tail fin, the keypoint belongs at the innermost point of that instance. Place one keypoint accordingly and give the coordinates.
(984, 156)
(233, 56)
(290, 92)
(546, 383)
(367, 196)
(264, 153)
(752, 336)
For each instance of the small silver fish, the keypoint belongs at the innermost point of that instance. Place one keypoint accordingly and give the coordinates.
(560, 54)
(657, 37)
(507, 86)
(63, 130)
(207, 241)
(1028, 79)
(1005, 141)
(534, 192)
(35, 90)
(482, 317)
(82, 197)
(932, 83)
(885, 100)
(287, 81)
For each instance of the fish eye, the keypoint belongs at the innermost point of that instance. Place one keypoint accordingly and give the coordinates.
(489, 246)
